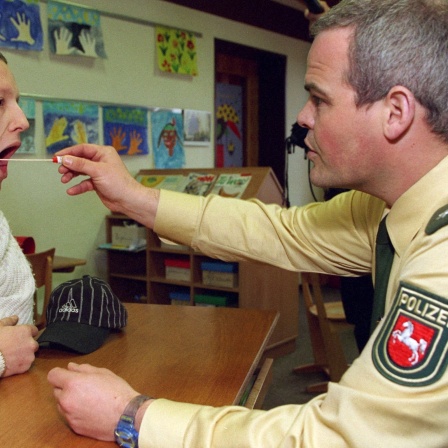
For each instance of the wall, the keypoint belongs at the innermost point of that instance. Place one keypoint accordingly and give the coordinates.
(33, 198)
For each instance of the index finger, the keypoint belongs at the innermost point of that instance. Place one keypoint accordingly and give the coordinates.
(84, 159)
(58, 376)
(34, 331)
(74, 165)
(84, 150)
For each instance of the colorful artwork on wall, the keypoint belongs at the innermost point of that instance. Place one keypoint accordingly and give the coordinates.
(28, 146)
(20, 25)
(74, 31)
(167, 132)
(176, 51)
(126, 129)
(69, 123)
(197, 127)
(229, 113)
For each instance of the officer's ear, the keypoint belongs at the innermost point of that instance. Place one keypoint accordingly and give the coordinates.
(399, 112)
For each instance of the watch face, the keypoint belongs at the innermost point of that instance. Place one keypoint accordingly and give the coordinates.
(126, 436)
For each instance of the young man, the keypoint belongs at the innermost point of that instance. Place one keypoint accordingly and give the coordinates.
(17, 344)
(378, 123)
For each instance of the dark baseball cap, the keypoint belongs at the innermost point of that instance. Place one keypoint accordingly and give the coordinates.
(80, 315)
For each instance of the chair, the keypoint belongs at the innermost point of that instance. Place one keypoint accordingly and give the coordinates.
(42, 267)
(326, 320)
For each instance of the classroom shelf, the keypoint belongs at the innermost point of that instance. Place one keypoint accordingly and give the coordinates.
(141, 276)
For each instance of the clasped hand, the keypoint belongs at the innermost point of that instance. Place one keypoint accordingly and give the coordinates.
(17, 345)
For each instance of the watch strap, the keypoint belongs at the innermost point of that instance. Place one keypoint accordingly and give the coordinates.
(133, 406)
(125, 434)
(2, 364)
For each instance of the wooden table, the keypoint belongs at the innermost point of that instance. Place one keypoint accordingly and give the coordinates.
(66, 264)
(193, 354)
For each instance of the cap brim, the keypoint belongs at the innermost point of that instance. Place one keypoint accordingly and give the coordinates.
(73, 336)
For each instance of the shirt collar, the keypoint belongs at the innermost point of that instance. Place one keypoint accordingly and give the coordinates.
(414, 208)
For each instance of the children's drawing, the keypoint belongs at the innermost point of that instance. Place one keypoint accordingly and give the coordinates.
(176, 51)
(74, 31)
(229, 142)
(126, 129)
(28, 105)
(167, 131)
(68, 123)
(197, 127)
(20, 25)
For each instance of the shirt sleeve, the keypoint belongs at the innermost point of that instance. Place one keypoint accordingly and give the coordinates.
(170, 424)
(295, 238)
(352, 414)
(380, 400)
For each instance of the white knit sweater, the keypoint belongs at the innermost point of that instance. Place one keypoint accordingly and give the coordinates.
(16, 279)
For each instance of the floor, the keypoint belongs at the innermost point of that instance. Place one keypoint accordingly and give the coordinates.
(288, 387)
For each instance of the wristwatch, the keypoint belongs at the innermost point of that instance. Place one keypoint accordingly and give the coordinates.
(125, 433)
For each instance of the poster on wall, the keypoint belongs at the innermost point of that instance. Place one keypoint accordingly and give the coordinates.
(69, 123)
(74, 31)
(20, 25)
(197, 127)
(28, 146)
(167, 132)
(229, 113)
(176, 51)
(126, 129)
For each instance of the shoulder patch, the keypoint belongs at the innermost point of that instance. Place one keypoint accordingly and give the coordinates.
(411, 348)
(438, 220)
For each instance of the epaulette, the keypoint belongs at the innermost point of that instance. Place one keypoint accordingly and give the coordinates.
(438, 220)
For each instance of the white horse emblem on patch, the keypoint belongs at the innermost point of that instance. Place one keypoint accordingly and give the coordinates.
(405, 337)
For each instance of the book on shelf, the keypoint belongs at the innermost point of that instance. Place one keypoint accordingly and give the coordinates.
(150, 181)
(215, 300)
(165, 244)
(173, 182)
(231, 185)
(199, 184)
(131, 248)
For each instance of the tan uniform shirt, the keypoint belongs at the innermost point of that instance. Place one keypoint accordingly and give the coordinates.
(396, 393)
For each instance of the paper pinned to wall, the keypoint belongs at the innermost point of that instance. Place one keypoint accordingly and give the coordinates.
(126, 129)
(176, 51)
(69, 123)
(167, 132)
(28, 138)
(74, 31)
(20, 25)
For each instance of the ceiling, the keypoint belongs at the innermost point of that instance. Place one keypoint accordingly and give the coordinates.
(295, 4)
(280, 16)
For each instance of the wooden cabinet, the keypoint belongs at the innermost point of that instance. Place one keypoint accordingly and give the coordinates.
(140, 276)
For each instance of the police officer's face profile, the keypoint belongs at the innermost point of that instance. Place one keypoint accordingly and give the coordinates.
(340, 134)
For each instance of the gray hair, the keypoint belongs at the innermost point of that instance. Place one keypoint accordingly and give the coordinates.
(397, 42)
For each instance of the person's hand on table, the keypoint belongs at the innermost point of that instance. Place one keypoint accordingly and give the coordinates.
(92, 399)
(110, 179)
(17, 345)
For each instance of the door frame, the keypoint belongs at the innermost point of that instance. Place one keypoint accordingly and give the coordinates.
(265, 114)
